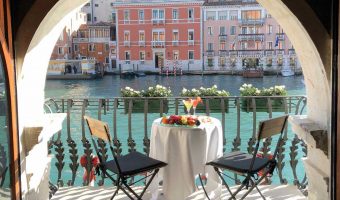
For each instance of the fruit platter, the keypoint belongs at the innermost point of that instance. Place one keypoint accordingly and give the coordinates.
(181, 120)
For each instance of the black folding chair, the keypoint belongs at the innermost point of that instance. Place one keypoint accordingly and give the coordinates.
(248, 165)
(124, 167)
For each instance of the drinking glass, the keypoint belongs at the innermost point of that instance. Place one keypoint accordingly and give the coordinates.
(188, 105)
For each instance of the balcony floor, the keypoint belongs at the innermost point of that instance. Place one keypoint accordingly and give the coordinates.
(275, 192)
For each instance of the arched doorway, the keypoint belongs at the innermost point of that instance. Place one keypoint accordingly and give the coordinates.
(312, 47)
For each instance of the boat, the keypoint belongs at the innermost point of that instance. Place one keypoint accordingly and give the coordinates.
(74, 70)
(128, 74)
(253, 73)
(140, 74)
(287, 71)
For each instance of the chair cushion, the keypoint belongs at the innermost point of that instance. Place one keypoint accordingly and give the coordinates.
(239, 162)
(133, 163)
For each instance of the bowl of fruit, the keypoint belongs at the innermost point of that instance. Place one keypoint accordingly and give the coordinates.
(180, 120)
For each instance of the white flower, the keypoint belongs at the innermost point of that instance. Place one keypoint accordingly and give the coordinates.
(241, 89)
(194, 90)
(214, 86)
(127, 88)
(184, 90)
(201, 88)
(271, 88)
(257, 91)
(150, 88)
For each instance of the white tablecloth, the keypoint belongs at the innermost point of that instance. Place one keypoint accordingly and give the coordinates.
(186, 150)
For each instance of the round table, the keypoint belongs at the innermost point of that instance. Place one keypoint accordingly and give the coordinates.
(186, 150)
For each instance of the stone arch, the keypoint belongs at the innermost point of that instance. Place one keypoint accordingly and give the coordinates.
(35, 40)
(39, 30)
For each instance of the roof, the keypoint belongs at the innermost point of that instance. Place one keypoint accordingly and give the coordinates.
(228, 2)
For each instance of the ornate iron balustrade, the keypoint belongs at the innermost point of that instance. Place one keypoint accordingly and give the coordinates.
(131, 131)
(249, 37)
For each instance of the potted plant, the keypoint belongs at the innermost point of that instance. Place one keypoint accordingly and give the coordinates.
(277, 104)
(154, 104)
(214, 95)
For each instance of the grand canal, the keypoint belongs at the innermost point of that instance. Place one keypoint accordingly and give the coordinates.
(110, 86)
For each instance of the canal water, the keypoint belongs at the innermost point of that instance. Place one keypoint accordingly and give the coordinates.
(110, 86)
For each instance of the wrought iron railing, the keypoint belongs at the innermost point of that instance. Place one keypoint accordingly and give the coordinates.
(130, 120)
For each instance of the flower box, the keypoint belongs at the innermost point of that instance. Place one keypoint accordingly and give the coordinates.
(214, 106)
(262, 105)
(153, 106)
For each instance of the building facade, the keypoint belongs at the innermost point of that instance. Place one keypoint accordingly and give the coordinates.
(241, 33)
(159, 35)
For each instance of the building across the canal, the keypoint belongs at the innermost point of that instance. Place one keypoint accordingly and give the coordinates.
(212, 36)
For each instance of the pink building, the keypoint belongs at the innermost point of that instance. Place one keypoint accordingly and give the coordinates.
(239, 33)
(159, 35)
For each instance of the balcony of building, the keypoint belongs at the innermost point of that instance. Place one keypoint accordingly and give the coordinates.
(80, 40)
(279, 52)
(269, 52)
(158, 21)
(280, 36)
(239, 117)
(222, 37)
(141, 43)
(158, 44)
(251, 37)
(291, 52)
(251, 53)
(209, 52)
(248, 22)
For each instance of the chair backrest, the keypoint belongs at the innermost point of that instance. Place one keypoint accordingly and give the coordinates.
(272, 127)
(100, 129)
(269, 128)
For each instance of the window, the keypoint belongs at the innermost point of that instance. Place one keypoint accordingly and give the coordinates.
(92, 47)
(222, 46)
(210, 46)
(60, 50)
(142, 55)
(258, 45)
(233, 30)
(174, 14)
(191, 13)
(190, 35)
(233, 15)
(279, 29)
(96, 5)
(88, 16)
(175, 35)
(233, 45)
(158, 14)
(211, 15)
(190, 55)
(107, 47)
(95, 19)
(244, 45)
(141, 36)
(251, 14)
(158, 35)
(126, 35)
(69, 49)
(113, 15)
(222, 15)
(76, 47)
(176, 55)
(222, 30)
(127, 55)
(126, 38)
(222, 61)
(210, 32)
(243, 30)
(126, 16)
(269, 29)
(268, 15)
(270, 45)
(210, 62)
(107, 60)
(141, 15)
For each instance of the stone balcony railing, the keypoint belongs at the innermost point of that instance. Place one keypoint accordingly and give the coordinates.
(251, 21)
(130, 129)
(248, 37)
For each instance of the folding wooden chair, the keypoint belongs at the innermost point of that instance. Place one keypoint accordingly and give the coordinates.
(248, 165)
(124, 167)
